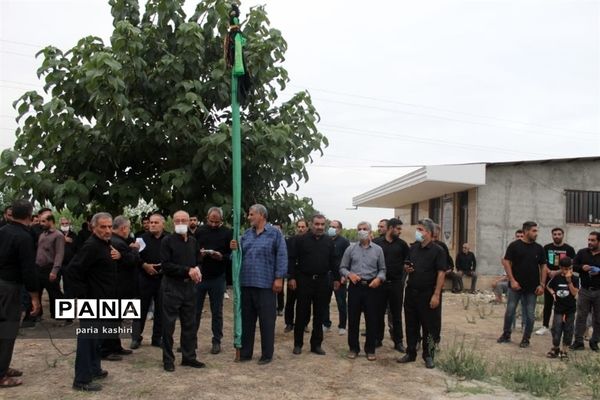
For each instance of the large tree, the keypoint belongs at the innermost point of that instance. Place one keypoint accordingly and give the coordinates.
(148, 116)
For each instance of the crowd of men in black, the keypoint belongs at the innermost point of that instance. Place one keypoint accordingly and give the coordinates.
(174, 272)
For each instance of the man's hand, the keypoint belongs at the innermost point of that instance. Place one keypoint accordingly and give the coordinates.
(514, 285)
(216, 255)
(375, 283)
(336, 285)
(114, 253)
(409, 267)
(195, 275)
(435, 301)
(52, 277)
(353, 278)
(586, 268)
(35, 303)
(292, 284)
(68, 239)
(277, 285)
(150, 268)
(343, 280)
(539, 290)
(135, 245)
(233, 245)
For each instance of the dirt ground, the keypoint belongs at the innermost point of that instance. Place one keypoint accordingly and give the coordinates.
(49, 375)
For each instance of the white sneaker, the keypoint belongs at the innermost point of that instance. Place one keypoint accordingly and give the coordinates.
(226, 295)
(326, 329)
(542, 331)
(342, 331)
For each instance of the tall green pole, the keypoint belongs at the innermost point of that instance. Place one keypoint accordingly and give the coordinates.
(236, 149)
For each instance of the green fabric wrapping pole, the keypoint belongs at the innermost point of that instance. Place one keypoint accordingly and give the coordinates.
(236, 149)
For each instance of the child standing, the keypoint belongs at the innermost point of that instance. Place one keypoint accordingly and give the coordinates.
(564, 288)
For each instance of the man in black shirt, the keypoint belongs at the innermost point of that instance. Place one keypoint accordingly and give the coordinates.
(179, 255)
(587, 264)
(426, 266)
(17, 269)
(149, 281)
(555, 251)
(525, 265)
(312, 258)
(213, 241)
(7, 216)
(465, 265)
(290, 295)
(340, 245)
(395, 251)
(93, 273)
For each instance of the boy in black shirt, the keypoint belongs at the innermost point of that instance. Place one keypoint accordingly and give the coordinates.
(563, 288)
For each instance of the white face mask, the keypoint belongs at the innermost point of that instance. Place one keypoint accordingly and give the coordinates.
(65, 228)
(363, 235)
(181, 229)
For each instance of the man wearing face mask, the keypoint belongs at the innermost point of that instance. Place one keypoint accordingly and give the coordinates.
(340, 245)
(426, 266)
(179, 256)
(312, 258)
(363, 265)
(213, 240)
(395, 251)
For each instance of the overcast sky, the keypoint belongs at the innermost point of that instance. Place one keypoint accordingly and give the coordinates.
(396, 83)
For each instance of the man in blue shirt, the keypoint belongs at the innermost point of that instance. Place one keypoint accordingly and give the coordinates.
(264, 265)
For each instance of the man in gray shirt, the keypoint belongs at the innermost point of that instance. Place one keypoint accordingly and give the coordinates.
(49, 259)
(363, 265)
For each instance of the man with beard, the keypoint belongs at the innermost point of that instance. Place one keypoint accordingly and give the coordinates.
(312, 259)
(193, 227)
(213, 240)
(128, 261)
(555, 251)
(587, 264)
(290, 301)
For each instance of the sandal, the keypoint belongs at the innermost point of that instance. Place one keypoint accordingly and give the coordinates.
(552, 353)
(8, 381)
(13, 373)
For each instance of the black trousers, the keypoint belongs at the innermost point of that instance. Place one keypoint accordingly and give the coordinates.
(87, 356)
(179, 301)
(392, 297)
(363, 299)
(10, 314)
(149, 289)
(53, 288)
(290, 306)
(548, 304)
(419, 316)
(310, 292)
(258, 303)
(111, 344)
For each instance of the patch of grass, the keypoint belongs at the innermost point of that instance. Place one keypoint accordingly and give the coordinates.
(587, 369)
(537, 379)
(472, 390)
(463, 362)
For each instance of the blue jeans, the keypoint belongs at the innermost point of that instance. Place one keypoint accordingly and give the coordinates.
(528, 301)
(216, 290)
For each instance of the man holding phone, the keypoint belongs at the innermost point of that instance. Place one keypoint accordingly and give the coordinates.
(426, 269)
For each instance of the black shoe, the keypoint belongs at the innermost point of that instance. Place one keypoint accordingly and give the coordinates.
(279, 313)
(429, 363)
(504, 338)
(264, 360)
(406, 359)
(216, 348)
(100, 375)
(288, 328)
(156, 343)
(379, 344)
(244, 359)
(318, 350)
(169, 367)
(577, 346)
(87, 387)
(297, 350)
(135, 344)
(193, 363)
(594, 346)
(524, 343)
(124, 352)
(112, 357)
(28, 324)
(178, 349)
(400, 347)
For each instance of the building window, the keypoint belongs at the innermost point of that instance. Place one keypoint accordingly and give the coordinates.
(414, 213)
(435, 209)
(583, 207)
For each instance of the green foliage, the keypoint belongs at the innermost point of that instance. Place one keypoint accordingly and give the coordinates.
(463, 361)
(147, 117)
(588, 370)
(537, 379)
